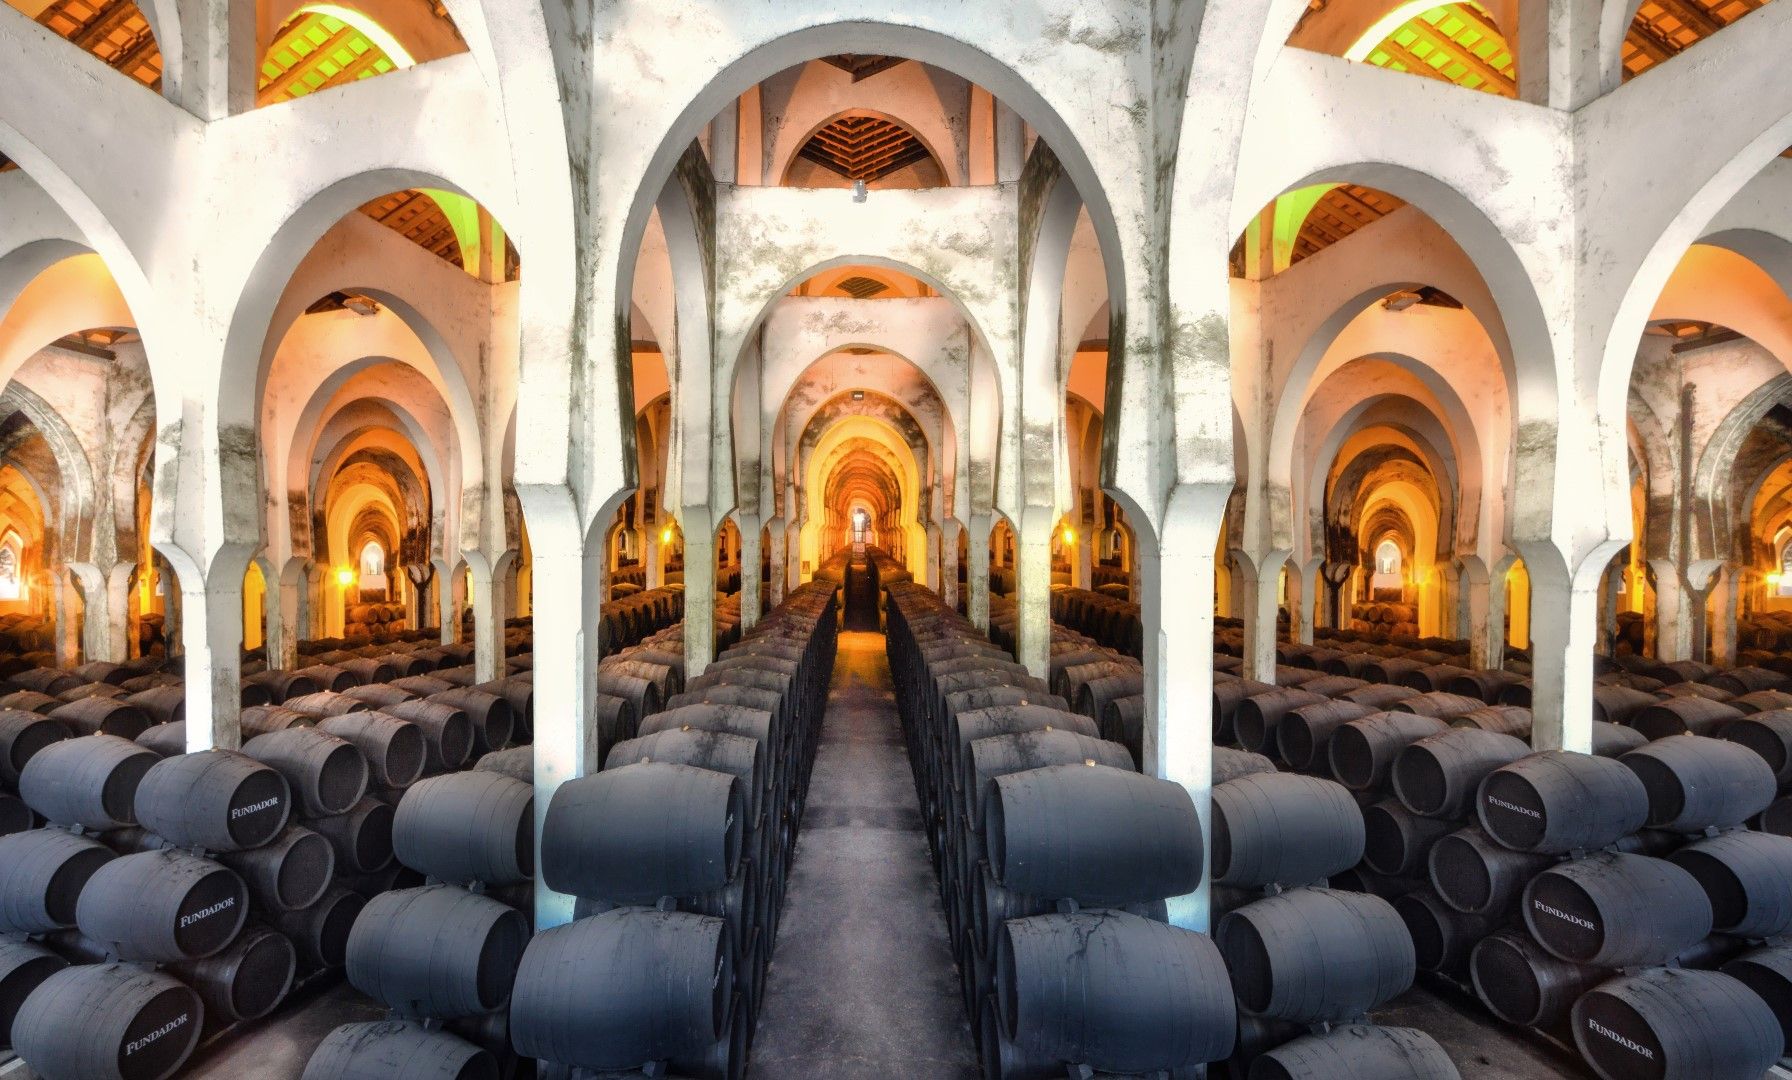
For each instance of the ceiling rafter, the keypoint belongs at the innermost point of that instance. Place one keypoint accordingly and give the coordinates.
(1662, 29)
(115, 31)
(1455, 43)
(864, 147)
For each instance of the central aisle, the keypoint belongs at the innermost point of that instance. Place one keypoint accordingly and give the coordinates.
(862, 985)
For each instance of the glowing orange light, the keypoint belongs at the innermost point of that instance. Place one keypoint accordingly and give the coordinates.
(345, 577)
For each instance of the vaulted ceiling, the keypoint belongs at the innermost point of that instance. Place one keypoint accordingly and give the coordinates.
(864, 147)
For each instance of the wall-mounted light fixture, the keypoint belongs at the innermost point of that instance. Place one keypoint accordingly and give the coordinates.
(345, 576)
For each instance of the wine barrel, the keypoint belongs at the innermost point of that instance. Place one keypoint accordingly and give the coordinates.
(326, 703)
(1358, 1052)
(518, 763)
(329, 678)
(164, 740)
(281, 685)
(163, 704)
(1315, 955)
(398, 1050)
(1522, 983)
(394, 748)
(1396, 841)
(291, 871)
(1617, 910)
(1230, 764)
(447, 732)
(1614, 740)
(30, 701)
(1283, 828)
(1676, 1024)
(1100, 835)
(326, 775)
(717, 750)
(219, 800)
(44, 680)
(635, 834)
(1767, 971)
(1113, 991)
(1441, 705)
(263, 719)
(1441, 935)
(246, 981)
(624, 987)
(1304, 732)
(360, 836)
(1768, 734)
(162, 906)
(1001, 755)
(1256, 719)
(102, 716)
(42, 873)
(23, 734)
(1437, 776)
(493, 720)
(1510, 720)
(23, 968)
(320, 932)
(1748, 878)
(108, 1022)
(91, 781)
(1684, 716)
(1362, 752)
(438, 951)
(1474, 874)
(471, 826)
(1227, 694)
(1696, 783)
(1619, 704)
(1556, 802)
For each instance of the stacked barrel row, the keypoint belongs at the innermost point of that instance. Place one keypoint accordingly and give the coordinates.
(1055, 860)
(343, 750)
(1112, 621)
(1455, 812)
(170, 897)
(442, 956)
(677, 851)
(374, 620)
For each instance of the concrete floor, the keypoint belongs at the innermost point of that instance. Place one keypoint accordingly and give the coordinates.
(1481, 1047)
(279, 1047)
(862, 985)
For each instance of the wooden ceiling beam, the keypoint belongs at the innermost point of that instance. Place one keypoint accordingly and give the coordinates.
(1457, 51)
(1411, 61)
(1693, 16)
(353, 69)
(306, 64)
(107, 18)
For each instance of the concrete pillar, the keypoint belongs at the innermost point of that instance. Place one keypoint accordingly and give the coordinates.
(489, 591)
(749, 571)
(1564, 628)
(1307, 607)
(931, 558)
(118, 612)
(1033, 586)
(977, 576)
(1176, 604)
(653, 557)
(1674, 613)
(699, 593)
(1726, 590)
(1487, 648)
(571, 565)
(279, 629)
(1255, 586)
(211, 632)
(91, 584)
(1082, 560)
(949, 563)
(446, 615)
(779, 552)
(65, 608)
